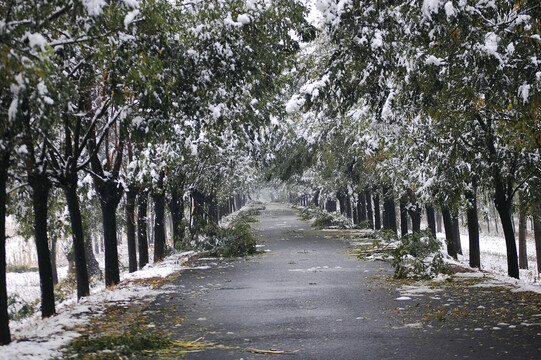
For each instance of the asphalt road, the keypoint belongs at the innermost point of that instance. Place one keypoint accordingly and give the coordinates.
(307, 296)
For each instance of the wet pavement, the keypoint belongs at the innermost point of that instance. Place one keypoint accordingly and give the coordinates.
(308, 297)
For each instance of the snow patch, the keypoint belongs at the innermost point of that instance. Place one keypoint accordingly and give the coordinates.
(94, 7)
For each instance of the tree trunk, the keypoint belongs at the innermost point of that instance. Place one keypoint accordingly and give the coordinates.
(414, 212)
(473, 229)
(142, 240)
(81, 270)
(362, 208)
(522, 251)
(403, 216)
(92, 265)
(108, 209)
(377, 213)
(213, 210)
(176, 208)
(438, 222)
(456, 234)
(5, 336)
(159, 229)
(131, 196)
(348, 206)
(341, 196)
(504, 210)
(537, 235)
(369, 210)
(449, 237)
(53, 261)
(40, 191)
(315, 198)
(389, 208)
(431, 219)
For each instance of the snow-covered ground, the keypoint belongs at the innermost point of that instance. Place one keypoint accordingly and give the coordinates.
(494, 254)
(34, 338)
(494, 259)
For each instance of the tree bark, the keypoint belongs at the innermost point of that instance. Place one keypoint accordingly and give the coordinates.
(315, 198)
(504, 210)
(109, 203)
(341, 196)
(473, 229)
(348, 206)
(131, 196)
(414, 212)
(53, 261)
(92, 265)
(176, 208)
(213, 209)
(522, 251)
(377, 213)
(456, 234)
(369, 210)
(5, 336)
(362, 209)
(448, 225)
(389, 208)
(159, 225)
(431, 219)
(403, 216)
(142, 204)
(537, 235)
(438, 222)
(40, 186)
(81, 270)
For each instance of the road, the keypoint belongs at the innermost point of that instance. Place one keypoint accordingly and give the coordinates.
(307, 296)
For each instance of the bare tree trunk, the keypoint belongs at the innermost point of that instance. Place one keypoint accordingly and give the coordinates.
(40, 191)
(537, 235)
(431, 219)
(131, 196)
(522, 251)
(473, 229)
(53, 261)
(456, 234)
(389, 209)
(448, 224)
(142, 204)
(159, 230)
(377, 213)
(81, 270)
(5, 336)
(438, 222)
(403, 216)
(369, 210)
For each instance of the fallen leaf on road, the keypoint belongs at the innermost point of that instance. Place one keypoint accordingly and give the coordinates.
(277, 352)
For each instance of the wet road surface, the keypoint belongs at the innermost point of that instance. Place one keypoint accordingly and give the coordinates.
(306, 295)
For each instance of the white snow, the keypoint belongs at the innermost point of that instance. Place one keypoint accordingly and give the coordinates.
(524, 92)
(294, 104)
(94, 7)
(433, 60)
(491, 44)
(244, 19)
(377, 41)
(430, 7)
(36, 40)
(450, 10)
(130, 17)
